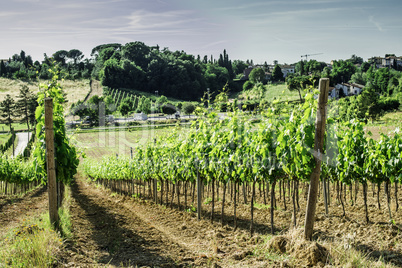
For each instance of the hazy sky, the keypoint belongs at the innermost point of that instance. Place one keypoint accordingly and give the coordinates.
(262, 30)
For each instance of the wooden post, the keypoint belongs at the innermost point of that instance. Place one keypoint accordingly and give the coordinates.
(13, 132)
(199, 205)
(318, 148)
(51, 169)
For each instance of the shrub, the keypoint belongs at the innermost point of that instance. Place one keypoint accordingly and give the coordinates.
(248, 85)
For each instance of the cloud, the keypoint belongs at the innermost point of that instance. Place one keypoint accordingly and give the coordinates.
(177, 21)
(378, 25)
(5, 14)
(306, 12)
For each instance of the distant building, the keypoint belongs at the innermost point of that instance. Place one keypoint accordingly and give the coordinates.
(287, 69)
(348, 89)
(386, 62)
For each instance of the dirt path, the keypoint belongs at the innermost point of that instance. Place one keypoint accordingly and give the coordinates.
(96, 89)
(13, 210)
(23, 138)
(107, 233)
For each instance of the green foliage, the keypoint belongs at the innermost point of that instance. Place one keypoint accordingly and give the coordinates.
(342, 71)
(144, 105)
(66, 156)
(248, 85)
(257, 75)
(298, 83)
(26, 105)
(14, 170)
(5, 146)
(277, 74)
(355, 59)
(188, 108)
(168, 109)
(238, 66)
(7, 110)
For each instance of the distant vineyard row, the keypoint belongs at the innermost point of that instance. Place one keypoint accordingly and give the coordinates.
(277, 149)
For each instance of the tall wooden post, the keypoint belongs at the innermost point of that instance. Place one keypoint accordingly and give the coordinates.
(318, 149)
(51, 169)
(199, 203)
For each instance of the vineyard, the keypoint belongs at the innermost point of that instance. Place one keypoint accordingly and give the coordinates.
(233, 154)
(231, 176)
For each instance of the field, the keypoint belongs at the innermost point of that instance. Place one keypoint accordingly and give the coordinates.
(277, 91)
(76, 90)
(115, 141)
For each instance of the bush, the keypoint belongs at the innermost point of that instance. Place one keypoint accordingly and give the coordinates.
(248, 85)
(388, 104)
(168, 109)
(133, 123)
(188, 108)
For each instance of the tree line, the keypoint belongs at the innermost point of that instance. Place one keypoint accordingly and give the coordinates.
(133, 66)
(23, 108)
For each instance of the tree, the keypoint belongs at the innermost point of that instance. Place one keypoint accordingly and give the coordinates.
(76, 55)
(124, 108)
(188, 108)
(7, 110)
(355, 59)
(145, 105)
(238, 66)
(365, 66)
(136, 52)
(298, 83)
(3, 70)
(342, 71)
(23, 106)
(161, 100)
(359, 78)
(277, 74)
(257, 75)
(168, 109)
(60, 56)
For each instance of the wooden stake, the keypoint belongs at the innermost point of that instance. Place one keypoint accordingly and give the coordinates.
(51, 169)
(318, 149)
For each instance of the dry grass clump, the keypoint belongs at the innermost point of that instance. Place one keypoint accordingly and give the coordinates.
(303, 253)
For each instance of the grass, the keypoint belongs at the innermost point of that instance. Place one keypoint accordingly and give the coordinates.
(280, 92)
(341, 253)
(277, 91)
(117, 141)
(76, 90)
(4, 138)
(9, 151)
(16, 126)
(34, 243)
(385, 124)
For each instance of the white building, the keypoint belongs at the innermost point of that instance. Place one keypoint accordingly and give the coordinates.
(348, 89)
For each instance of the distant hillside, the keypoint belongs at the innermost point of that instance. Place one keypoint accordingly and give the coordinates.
(76, 90)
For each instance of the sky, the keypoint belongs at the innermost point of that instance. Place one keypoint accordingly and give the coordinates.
(261, 30)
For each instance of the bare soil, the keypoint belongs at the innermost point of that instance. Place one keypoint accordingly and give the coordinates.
(113, 230)
(14, 209)
(116, 230)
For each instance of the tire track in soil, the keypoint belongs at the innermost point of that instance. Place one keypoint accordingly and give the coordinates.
(105, 233)
(14, 209)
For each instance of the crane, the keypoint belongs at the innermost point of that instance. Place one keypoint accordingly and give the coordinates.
(307, 55)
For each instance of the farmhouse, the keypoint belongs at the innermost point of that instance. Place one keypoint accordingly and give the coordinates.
(287, 69)
(348, 89)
